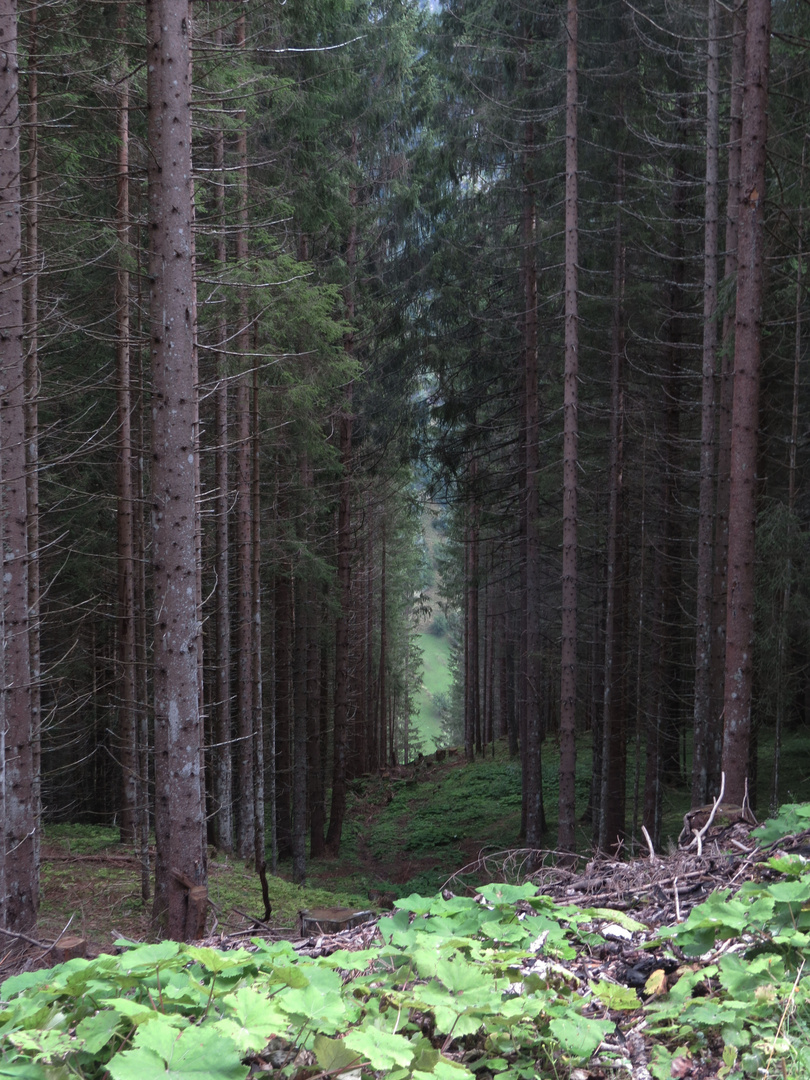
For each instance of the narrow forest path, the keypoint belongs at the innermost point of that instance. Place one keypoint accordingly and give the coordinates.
(413, 827)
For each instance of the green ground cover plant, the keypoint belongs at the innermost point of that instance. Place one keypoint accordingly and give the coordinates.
(459, 987)
(751, 996)
(184, 1011)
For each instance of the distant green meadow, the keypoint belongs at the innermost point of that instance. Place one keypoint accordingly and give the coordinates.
(436, 679)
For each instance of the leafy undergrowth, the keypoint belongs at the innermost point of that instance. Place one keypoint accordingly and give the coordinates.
(505, 984)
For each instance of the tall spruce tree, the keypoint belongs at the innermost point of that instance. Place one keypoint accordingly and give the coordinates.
(181, 867)
(745, 407)
(18, 849)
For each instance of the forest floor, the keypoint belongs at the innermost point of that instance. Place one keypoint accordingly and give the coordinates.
(408, 830)
(670, 994)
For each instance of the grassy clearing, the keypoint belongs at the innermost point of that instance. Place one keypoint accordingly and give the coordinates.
(436, 679)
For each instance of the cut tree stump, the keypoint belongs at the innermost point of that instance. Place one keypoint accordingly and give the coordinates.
(330, 920)
(68, 948)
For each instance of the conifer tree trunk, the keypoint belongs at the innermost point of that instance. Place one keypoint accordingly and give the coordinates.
(531, 720)
(487, 689)
(358, 741)
(784, 631)
(315, 787)
(259, 830)
(664, 715)
(181, 873)
(283, 705)
(245, 839)
(341, 705)
(141, 614)
(613, 769)
(18, 880)
(301, 711)
(244, 616)
(501, 636)
(568, 660)
(382, 692)
(271, 783)
(370, 759)
(32, 378)
(126, 641)
(745, 408)
(300, 725)
(475, 620)
(221, 759)
(714, 736)
(705, 562)
(472, 723)
(344, 541)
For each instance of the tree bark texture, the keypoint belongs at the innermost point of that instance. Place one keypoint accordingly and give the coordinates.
(221, 760)
(714, 738)
(745, 409)
(316, 806)
(18, 883)
(705, 553)
(568, 661)
(783, 678)
(244, 619)
(472, 741)
(32, 383)
(300, 731)
(179, 805)
(283, 763)
(614, 736)
(126, 643)
(531, 742)
(259, 823)
(246, 811)
(344, 544)
(382, 692)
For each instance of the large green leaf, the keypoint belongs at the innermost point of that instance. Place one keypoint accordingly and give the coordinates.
(459, 976)
(150, 956)
(791, 892)
(160, 1053)
(97, 1030)
(580, 1036)
(252, 1018)
(22, 1070)
(614, 996)
(333, 1055)
(19, 984)
(417, 905)
(500, 893)
(383, 1049)
(320, 1005)
(138, 1012)
(217, 960)
(741, 977)
(444, 1070)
